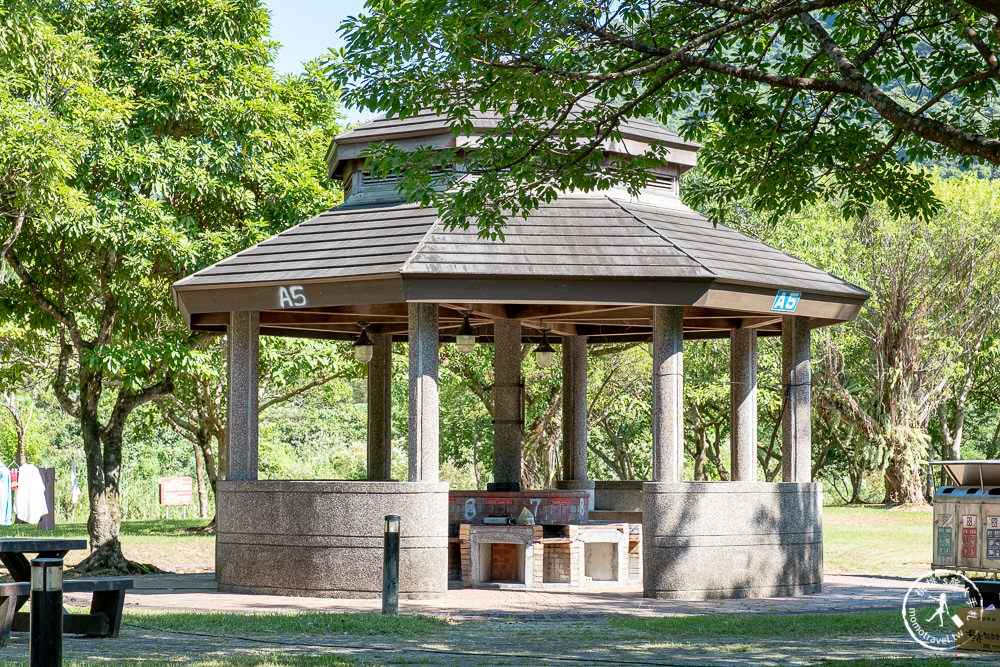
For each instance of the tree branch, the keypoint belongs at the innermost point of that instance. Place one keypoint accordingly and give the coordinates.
(945, 134)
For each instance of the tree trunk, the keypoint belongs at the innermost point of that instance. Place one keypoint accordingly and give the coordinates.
(22, 453)
(857, 476)
(199, 470)
(104, 522)
(103, 449)
(20, 426)
(956, 440)
(700, 457)
(902, 478)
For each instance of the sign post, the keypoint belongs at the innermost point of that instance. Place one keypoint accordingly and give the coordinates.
(175, 491)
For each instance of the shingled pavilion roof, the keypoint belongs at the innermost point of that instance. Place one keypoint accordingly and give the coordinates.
(585, 264)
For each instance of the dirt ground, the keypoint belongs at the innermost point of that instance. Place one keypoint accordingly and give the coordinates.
(178, 555)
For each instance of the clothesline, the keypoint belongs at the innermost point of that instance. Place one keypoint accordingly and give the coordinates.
(22, 494)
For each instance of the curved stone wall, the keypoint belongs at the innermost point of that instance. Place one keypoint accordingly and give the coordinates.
(324, 538)
(706, 540)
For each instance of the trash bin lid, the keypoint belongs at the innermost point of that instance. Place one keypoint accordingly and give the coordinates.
(972, 473)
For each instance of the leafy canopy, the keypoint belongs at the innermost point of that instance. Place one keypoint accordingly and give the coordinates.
(793, 101)
(149, 139)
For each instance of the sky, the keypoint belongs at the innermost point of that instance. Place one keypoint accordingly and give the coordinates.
(306, 29)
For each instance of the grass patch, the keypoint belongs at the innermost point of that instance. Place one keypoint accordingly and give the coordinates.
(754, 626)
(406, 626)
(232, 661)
(877, 541)
(894, 662)
(166, 528)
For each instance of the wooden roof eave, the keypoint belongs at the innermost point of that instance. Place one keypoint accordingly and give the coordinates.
(261, 296)
(816, 304)
(206, 307)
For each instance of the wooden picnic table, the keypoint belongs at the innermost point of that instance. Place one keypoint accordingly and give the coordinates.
(12, 550)
(104, 619)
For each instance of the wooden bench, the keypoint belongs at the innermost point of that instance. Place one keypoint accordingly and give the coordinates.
(104, 619)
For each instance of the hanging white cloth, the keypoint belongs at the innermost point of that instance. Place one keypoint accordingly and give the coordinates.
(29, 498)
(76, 490)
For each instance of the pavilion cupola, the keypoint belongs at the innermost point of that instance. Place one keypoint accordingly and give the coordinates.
(346, 162)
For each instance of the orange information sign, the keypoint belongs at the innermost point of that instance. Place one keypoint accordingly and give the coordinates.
(176, 491)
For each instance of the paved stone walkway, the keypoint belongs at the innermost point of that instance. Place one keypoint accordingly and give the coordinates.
(512, 627)
(197, 592)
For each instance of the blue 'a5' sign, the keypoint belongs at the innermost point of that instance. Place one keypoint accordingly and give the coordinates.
(786, 301)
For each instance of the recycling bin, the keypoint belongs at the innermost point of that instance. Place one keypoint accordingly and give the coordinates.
(945, 552)
(990, 513)
(968, 506)
(967, 517)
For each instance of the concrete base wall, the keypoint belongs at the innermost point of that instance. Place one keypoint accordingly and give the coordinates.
(706, 540)
(618, 496)
(324, 538)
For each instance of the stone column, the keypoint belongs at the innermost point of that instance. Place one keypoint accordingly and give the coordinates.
(423, 426)
(574, 417)
(796, 429)
(380, 408)
(242, 347)
(668, 393)
(508, 427)
(743, 405)
(574, 407)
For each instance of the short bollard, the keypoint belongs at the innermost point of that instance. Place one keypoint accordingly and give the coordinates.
(46, 622)
(390, 566)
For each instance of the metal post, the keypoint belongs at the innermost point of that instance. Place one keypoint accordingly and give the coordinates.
(46, 622)
(390, 566)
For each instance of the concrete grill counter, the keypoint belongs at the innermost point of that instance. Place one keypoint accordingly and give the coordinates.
(549, 508)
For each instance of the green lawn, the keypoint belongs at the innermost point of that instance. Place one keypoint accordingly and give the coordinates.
(277, 624)
(166, 529)
(878, 541)
(235, 661)
(758, 626)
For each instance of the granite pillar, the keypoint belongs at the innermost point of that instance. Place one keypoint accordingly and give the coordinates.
(574, 407)
(242, 354)
(508, 425)
(743, 405)
(668, 393)
(380, 408)
(423, 424)
(796, 428)
(574, 417)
